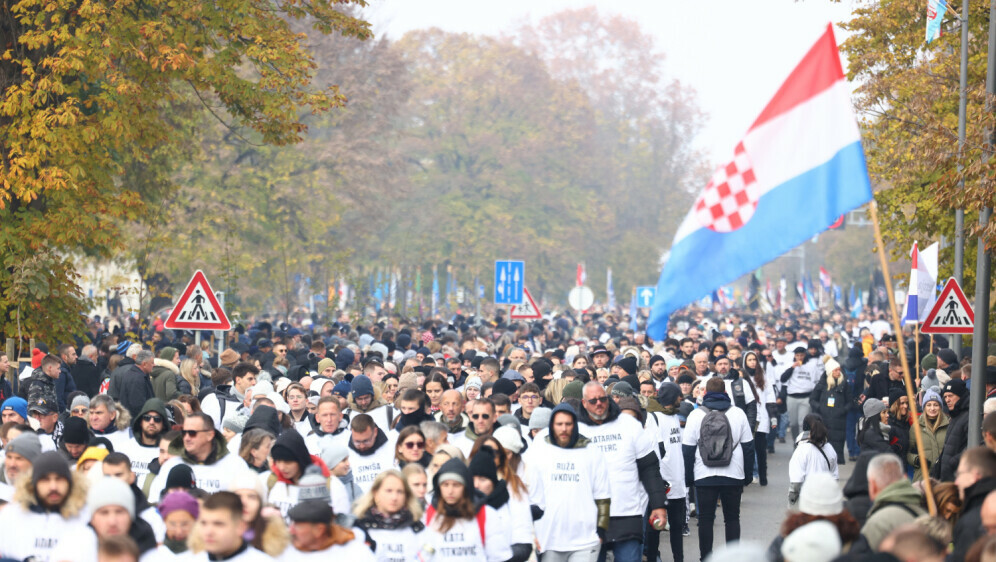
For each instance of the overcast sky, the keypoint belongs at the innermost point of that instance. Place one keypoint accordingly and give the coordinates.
(734, 53)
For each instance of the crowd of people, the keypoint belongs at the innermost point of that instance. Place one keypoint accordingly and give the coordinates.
(476, 440)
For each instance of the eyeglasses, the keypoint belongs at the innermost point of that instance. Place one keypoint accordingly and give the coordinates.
(193, 432)
(599, 400)
(152, 418)
(528, 397)
(415, 445)
(480, 416)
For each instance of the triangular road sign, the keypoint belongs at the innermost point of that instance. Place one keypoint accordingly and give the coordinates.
(527, 310)
(197, 308)
(951, 314)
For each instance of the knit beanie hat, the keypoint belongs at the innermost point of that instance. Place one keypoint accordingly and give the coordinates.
(928, 362)
(622, 388)
(235, 423)
(872, 407)
(668, 394)
(504, 386)
(956, 387)
(817, 541)
(929, 396)
(75, 431)
(895, 394)
(574, 389)
(509, 420)
(180, 476)
(342, 388)
(948, 356)
(248, 480)
(36, 357)
(657, 358)
(92, 453)
(53, 462)
(313, 499)
(362, 386)
(483, 464)
(509, 437)
(333, 452)
(178, 501)
(81, 401)
(167, 353)
(821, 495)
(110, 491)
(831, 365)
(540, 418)
(473, 382)
(406, 381)
(16, 403)
(27, 445)
(325, 364)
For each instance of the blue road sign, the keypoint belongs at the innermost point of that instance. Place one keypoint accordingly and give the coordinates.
(645, 296)
(510, 276)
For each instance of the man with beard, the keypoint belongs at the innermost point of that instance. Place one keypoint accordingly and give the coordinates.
(47, 507)
(146, 430)
(451, 412)
(633, 466)
(371, 451)
(658, 370)
(575, 485)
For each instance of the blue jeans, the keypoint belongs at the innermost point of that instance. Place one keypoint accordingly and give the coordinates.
(783, 424)
(624, 551)
(852, 427)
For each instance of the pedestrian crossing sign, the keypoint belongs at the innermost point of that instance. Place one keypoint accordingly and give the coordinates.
(198, 308)
(527, 310)
(951, 314)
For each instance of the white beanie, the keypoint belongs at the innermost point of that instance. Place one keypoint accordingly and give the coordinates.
(509, 438)
(247, 480)
(110, 491)
(821, 495)
(817, 541)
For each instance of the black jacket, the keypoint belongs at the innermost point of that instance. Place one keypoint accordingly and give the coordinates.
(835, 417)
(969, 526)
(87, 376)
(955, 441)
(134, 389)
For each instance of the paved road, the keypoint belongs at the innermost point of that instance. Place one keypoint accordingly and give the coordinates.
(761, 511)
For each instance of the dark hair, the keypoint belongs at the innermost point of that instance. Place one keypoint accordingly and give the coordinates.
(50, 360)
(118, 546)
(715, 384)
(205, 419)
(847, 526)
(981, 459)
(228, 501)
(242, 369)
(500, 399)
(818, 433)
(437, 377)
(407, 432)
(529, 387)
(192, 401)
(362, 423)
(416, 395)
(62, 349)
(117, 459)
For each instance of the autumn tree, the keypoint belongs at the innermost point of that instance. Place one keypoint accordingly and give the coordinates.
(98, 105)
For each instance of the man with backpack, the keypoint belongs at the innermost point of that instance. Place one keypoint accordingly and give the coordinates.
(718, 446)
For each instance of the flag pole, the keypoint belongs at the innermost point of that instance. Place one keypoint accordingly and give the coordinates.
(916, 340)
(927, 488)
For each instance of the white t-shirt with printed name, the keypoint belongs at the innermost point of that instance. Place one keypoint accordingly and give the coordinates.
(622, 441)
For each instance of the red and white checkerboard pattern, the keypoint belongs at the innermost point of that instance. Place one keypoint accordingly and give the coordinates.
(729, 200)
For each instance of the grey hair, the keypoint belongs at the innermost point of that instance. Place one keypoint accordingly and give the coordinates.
(89, 350)
(432, 430)
(143, 356)
(104, 400)
(885, 469)
(592, 385)
(133, 350)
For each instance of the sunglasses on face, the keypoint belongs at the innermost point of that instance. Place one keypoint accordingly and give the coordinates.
(481, 416)
(152, 418)
(599, 400)
(193, 432)
(415, 445)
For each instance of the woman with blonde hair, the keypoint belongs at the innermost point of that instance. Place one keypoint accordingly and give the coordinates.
(190, 378)
(554, 392)
(390, 514)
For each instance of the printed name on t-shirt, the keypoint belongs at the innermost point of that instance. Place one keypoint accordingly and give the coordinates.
(565, 472)
(367, 472)
(608, 443)
(675, 436)
(457, 550)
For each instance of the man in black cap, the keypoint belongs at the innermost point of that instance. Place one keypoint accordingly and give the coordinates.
(314, 535)
(955, 396)
(75, 439)
(46, 413)
(47, 507)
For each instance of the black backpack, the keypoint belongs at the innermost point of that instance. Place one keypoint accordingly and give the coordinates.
(715, 439)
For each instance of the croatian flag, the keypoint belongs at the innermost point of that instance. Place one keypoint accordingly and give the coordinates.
(921, 295)
(799, 167)
(825, 278)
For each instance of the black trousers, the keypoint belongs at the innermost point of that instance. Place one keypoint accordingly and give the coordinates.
(707, 499)
(761, 453)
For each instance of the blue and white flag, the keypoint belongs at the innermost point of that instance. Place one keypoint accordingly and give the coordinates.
(935, 15)
(799, 167)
